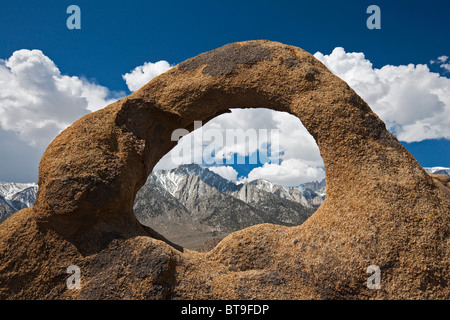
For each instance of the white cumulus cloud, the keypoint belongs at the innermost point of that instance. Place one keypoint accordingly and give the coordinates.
(140, 75)
(413, 101)
(290, 172)
(226, 172)
(37, 102)
(443, 59)
(298, 152)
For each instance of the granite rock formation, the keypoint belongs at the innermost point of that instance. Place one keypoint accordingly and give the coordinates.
(381, 207)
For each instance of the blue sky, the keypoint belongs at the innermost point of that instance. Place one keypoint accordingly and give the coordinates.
(118, 36)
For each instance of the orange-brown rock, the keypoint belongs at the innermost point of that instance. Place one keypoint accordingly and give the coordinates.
(381, 208)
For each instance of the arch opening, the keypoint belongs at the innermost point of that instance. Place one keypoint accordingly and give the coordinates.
(242, 168)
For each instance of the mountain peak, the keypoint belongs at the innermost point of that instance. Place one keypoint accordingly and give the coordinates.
(209, 177)
(9, 189)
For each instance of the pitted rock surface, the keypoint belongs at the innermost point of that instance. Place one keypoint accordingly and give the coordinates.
(226, 59)
(381, 208)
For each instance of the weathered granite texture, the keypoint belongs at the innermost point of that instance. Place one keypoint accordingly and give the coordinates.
(381, 208)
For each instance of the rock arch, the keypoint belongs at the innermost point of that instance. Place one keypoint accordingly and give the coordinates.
(376, 191)
(111, 152)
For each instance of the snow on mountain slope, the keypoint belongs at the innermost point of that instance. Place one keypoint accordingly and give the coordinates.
(174, 179)
(438, 170)
(281, 191)
(170, 180)
(208, 176)
(25, 198)
(9, 189)
(15, 196)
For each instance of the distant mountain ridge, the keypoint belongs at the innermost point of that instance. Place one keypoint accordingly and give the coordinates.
(201, 205)
(438, 170)
(15, 197)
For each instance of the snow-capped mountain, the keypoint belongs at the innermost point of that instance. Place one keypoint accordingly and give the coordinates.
(202, 205)
(15, 196)
(312, 189)
(438, 170)
(282, 192)
(173, 180)
(207, 176)
(9, 189)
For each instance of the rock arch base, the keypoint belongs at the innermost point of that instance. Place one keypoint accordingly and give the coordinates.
(381, 209)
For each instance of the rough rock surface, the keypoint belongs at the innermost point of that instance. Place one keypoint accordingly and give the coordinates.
(381, 207)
